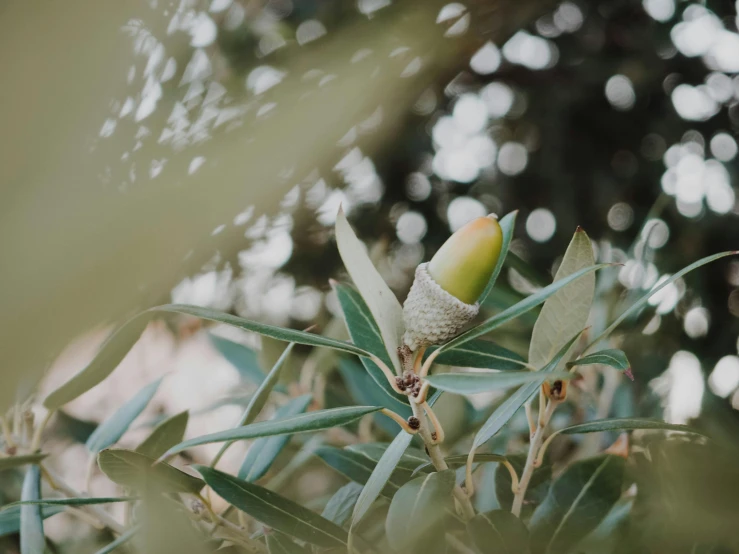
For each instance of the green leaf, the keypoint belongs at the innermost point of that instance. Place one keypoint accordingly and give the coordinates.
(111, 353)
(122, 340)
(358, 467)
(277, 543)
(137, 471)
(644, 299)
(312, 421)
(32, 522)
(481, 354)
(381, 475)
(382, 303)
(17, 461)
(274, 510)
(577, 502)
(10, 519)
(626, 424)
(516, 310)
(340, 505)
(567, 311)
(541, 480)
(604, 538)
(123, 539)
(415, 518)
(611, 357)
(259, 398)
(460, 460)
(498, 532)
(474, 383)
(410, 459)
(507, 225)
(511, 405)
(366, 334)
(164, 436)
(243, 358)
(70, 501)
(112, 429)
(263, 452)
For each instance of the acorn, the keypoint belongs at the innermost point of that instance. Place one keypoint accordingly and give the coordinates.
(444, 295)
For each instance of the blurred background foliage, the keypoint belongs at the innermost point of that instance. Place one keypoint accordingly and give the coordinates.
(197, 151)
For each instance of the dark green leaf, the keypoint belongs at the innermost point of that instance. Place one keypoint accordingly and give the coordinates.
(460, 460)
(259, 398)
(604, 538)
(479, 382)
(498, 532)
(243, 358)
(644, 299)
(507, 225)
(516, 310)
(277, 543)
(164, 436)
(364, 333)
(70, 501)
(536, 492)
(10, 519)
(481, 354)
(113, 350)
(137, 471)
(340, 505)
(527, 271)
(511, 405)
(113, 428)
(611, 357)
(626, 424)
(358, 467)
(415, 518)
(312, 421)
(381, 475)
(32, 522)
(274, 510)
(577, 502)
(16, 461)
(410, 460)
(123, 539)
(264, 451)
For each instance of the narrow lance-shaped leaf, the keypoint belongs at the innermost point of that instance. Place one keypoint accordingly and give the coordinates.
(10, 519)
(312, 421)
(626, 424)
(70, 501)
(577, 502)
(142, 473)
(612, 357)
(381, 301)
(474, 383)
(511, 405)
(481, 354)
(274, 510)
(645, 298)
(340, 505)
(567, 311)
(264, 451)
(17, 461)
(122, 340)
(507, 225)
(123, 539)
(112, 429)
(415, 520)
(164, 436)
(516, 310)
(259, 398)
(460, 460)
(498, 532)
(32, 522)
(381, 474)
(366, 334)
(243, 358)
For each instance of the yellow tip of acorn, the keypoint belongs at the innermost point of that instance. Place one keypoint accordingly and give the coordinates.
(466, 261)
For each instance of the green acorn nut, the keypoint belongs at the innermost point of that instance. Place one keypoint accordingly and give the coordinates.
(445, 291)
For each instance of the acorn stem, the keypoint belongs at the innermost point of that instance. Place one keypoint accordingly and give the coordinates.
(388, 374)
(399, 420)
